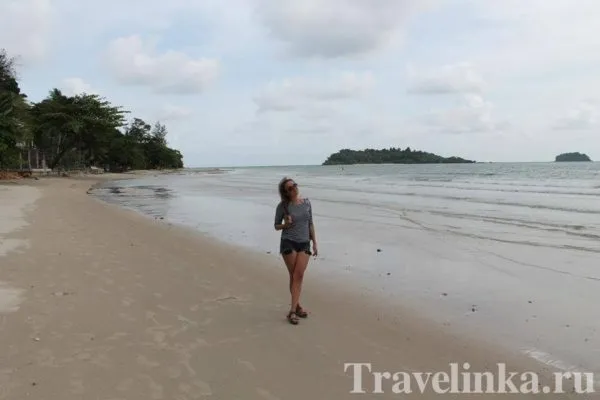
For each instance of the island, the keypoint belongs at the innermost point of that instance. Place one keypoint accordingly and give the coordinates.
(390, 156)
(572, 157)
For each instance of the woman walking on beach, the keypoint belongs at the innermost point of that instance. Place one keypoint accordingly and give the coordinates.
(293, 217)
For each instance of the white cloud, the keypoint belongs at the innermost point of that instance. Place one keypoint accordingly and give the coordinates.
(336, 28)
(170, 112)
(294, 93)
(584, 116)
(134, 62)
(75, 86)
(528, 61)
(475, 115)
(25, 28)
(454, 78)
(535, 36)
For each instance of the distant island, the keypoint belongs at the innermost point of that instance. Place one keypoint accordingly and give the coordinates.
(566, 157)
(390, 156)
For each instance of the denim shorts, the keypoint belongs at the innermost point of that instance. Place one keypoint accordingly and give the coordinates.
(287, 246)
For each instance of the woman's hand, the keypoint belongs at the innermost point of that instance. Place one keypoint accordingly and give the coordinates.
(315, 249)
(288, 221)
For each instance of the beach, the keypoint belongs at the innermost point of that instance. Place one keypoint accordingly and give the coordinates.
(102, 302)
(505, 251)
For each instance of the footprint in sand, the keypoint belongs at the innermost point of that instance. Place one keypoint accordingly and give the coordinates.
(265, 394)
(197, 389)
(145, 362)
(127, 317)
(127, 301)
(125, 385)
(159, 336)
(156, 390)
(77, 386)
(174, 372)
(248, 365)
(117, 335)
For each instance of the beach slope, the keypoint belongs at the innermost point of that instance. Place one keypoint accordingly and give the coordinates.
(115, 305)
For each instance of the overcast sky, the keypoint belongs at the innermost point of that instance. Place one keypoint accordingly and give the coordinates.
(265, 82)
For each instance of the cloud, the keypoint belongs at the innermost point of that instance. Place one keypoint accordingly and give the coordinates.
(134, 62)
(294, 93)
(75, 86)
(335, 28)
(454, 78)
(585, 116)
(535, 36)
(476, 66)
(170, 112)
(475, 115)
(25, 28)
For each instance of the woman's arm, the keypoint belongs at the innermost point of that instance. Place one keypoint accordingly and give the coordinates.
(311, 224)
(279, 227)
(311, 230)
(313, 236)
(279, 216)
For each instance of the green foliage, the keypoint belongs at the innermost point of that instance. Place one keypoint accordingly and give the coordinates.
(14, 119)
(77, 131)
(576, 156)
(389, 156)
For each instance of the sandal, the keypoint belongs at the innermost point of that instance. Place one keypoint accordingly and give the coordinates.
(292, 318)
(300, 312)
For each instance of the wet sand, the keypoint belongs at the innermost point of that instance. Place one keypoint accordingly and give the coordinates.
(115, 305)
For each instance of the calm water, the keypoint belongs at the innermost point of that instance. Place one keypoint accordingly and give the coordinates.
(510, 251)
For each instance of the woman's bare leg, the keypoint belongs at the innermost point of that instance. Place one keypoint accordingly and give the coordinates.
(290, 263)
(297, 278)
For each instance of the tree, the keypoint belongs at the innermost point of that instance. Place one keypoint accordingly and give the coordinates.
(77, 127)
(159, 134)
(77, 131)
(13, 113)
(139, 131)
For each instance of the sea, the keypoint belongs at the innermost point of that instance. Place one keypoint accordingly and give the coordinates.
(507, 251)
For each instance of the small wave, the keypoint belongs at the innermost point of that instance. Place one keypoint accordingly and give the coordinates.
(548, 359)
(486, 189)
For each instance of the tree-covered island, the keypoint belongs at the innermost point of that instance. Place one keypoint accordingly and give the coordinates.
(390, 156)
(572, 157)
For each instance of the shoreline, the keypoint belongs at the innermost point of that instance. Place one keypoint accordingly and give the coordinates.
(344, 326)
(505, 292)
(457, 326)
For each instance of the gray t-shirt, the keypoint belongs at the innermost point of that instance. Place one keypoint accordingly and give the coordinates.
(301, 221)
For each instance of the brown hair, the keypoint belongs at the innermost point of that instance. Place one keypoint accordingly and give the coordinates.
(285, 197)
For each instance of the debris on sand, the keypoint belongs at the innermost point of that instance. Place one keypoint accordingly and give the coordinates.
(9, 176)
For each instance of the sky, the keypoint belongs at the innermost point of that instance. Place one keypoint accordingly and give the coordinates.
(279, 82)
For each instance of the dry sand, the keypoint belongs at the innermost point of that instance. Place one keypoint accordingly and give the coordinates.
(114, 305)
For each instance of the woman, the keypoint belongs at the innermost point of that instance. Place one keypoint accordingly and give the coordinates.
(298, 231)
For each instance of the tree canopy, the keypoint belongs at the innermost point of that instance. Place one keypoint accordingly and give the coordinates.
(13, 111)
(79, 131)
(389, 156)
